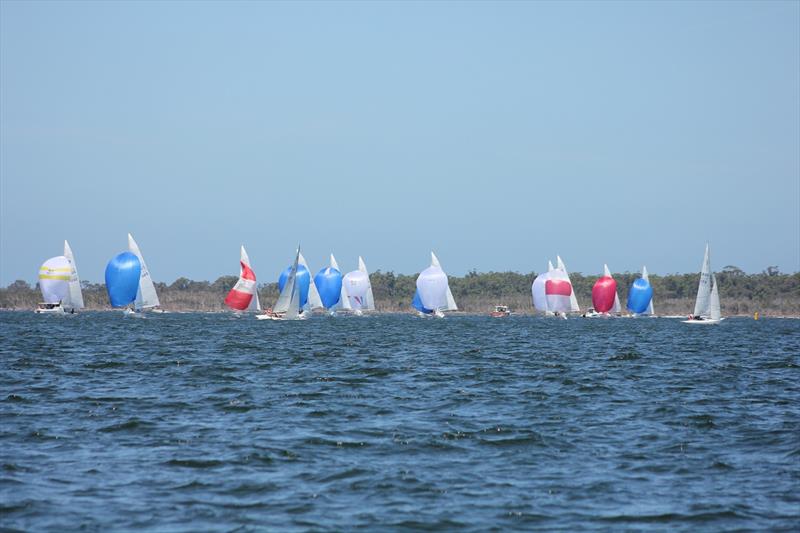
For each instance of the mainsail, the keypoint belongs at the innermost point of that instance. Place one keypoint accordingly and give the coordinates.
(74, 298)
(289, 299)
(573, 300)
(451, 303)
(314, 301)
(344, 296)
(369, 300)
(146, 294)
(703, 301)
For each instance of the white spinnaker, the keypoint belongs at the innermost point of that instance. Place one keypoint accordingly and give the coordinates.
(314, 301)
(285, 298)
(344, 297)
(713, 305)
(701, 305)
(451, 302)
(650, 309)
(573, 300)
(432, 288)
(369, 300)
(74, 296)
(537, 292)
(146, 295)
(255, 304)
(559, 302)
(357, 284)
(54, 276)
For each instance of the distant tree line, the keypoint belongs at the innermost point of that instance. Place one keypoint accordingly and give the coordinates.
(770, 292)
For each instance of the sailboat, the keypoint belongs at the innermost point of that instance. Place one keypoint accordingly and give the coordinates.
(640, 296)
(60, 284)
(433, 294)
(288, 305)
(243, 297)
(359, 289)
(573, 300)
(605, 298)
(122, 277)
(706, 306)
(146, 297)
(332, 291)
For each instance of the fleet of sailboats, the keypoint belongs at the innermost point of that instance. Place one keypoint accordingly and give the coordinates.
(130, 286)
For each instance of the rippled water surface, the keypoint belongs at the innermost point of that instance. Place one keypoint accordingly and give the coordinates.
(187, 422)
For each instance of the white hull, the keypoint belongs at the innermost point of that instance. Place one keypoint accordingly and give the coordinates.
(704, 321)
(130, 313)
(275, 317)
(53, 311)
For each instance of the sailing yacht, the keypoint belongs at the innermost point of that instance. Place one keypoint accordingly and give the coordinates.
(288, 305)
(146, 296)
(359, 290)
(640, 296)
(60, 284)
(706, 307)
(243, 297)
(605, 298)
(433, 294)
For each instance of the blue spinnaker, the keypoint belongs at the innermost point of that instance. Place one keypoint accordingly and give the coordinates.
(122, 279)
(329, 286)
(303, 281)
(416, 303)
(639, 296)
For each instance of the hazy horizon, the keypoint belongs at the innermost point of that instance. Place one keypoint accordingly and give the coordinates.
(497, 134)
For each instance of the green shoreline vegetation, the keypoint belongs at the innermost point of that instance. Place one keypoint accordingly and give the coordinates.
(770, 292)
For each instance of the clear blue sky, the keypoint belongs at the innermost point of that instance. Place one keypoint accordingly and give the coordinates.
(496, 134)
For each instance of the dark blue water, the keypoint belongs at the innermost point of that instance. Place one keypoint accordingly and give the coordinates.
(188, 422)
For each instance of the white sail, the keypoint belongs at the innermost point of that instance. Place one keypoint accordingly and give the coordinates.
(558, 290)
(146, 295)
(573, 300)
(701, 305)
(550, 267)
(74, 298)
(344, 297)
(293, 310)
(369, 300)
(54, 276)
(286, 295)
(650, 310)
(255, 304)
(451, 302)
(314, 301)
(432, 288)
(539, 297)
(713, 305)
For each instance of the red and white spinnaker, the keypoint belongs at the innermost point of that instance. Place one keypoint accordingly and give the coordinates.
(244, 295)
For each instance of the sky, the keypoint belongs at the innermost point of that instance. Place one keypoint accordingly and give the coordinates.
(497, 134)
